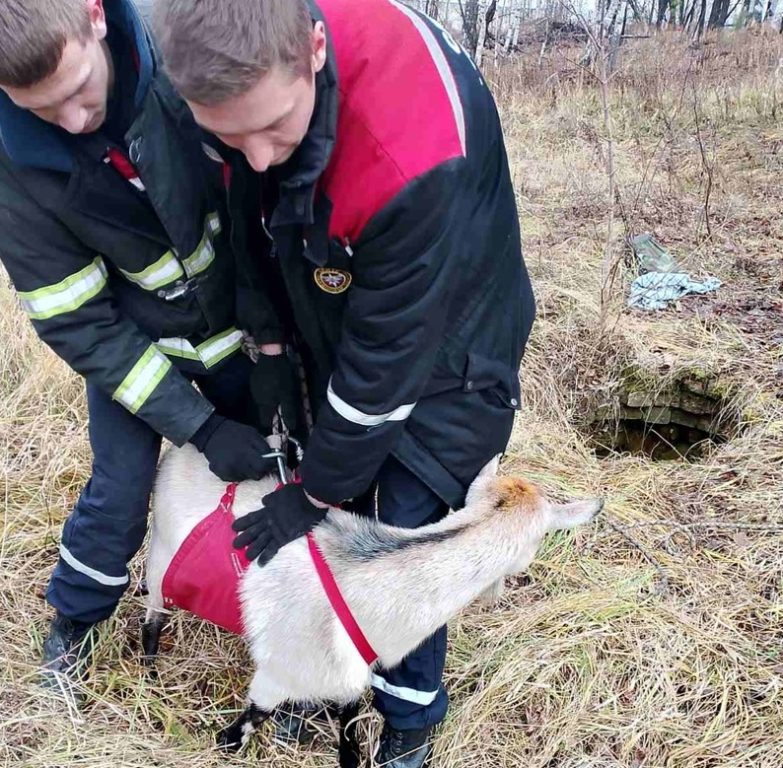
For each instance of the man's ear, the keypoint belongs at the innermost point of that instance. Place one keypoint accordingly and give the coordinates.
(318, 46)
(97, 18)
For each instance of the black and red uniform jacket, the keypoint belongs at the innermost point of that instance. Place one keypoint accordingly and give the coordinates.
(395, 232)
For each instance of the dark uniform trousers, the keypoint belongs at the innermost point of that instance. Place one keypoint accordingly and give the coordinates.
(412, 694)
(107, 526)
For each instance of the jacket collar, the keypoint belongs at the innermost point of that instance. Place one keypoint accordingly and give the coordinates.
(29, 141)
(298, 177)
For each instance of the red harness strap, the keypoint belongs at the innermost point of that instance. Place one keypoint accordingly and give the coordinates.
(338, 603)
(204, 575)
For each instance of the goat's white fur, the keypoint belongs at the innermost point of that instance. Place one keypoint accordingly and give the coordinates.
(399, 597)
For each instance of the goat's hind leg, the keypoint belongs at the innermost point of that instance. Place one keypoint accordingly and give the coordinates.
(233, 738)
(154, 624)
(262, 702)
(350, 751)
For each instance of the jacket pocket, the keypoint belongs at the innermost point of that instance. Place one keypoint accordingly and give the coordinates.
(495, 379)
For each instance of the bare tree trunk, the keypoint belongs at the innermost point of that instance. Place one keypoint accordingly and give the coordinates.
(446, 17)
(469, 10)
(482, 33)
(720, 13)
(699, 31)
(775, 18)
(513, 31)
(663, 7)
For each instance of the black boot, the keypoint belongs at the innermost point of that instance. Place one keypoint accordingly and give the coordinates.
(298, 723)
(404, 749)
(66, 654)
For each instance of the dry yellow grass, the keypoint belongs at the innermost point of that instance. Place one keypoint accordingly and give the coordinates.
(600, 658)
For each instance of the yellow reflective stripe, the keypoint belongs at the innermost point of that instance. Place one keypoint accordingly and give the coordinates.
(67, 295)
(209, 352)
(204, 254)
(177, 348)
(213, 223)
(155, 276)
(142, 380)
(219, 347)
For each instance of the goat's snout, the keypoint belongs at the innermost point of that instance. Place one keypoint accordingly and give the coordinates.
(575, 513)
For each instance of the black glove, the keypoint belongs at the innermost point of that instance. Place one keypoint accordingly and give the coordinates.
(235, 451)
(287, 514)
(273, 384)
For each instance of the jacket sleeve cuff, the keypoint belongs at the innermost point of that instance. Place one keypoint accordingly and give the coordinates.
(342, 465)
(269, 336)
(184, 431)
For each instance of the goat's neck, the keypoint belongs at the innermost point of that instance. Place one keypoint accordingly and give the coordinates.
(420, 588)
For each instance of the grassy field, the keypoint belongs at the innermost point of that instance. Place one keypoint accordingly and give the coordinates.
(654, 638)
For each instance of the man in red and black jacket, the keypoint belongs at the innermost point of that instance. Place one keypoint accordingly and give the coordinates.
(393, 233)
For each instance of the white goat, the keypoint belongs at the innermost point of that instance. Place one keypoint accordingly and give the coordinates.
(400, 584)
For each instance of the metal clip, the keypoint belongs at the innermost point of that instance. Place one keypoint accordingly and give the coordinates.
(179, 290)
(281, 467)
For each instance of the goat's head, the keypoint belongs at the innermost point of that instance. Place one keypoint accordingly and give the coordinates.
(523, 501)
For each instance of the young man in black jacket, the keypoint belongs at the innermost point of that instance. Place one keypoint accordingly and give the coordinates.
(393, 229)
(116, 234)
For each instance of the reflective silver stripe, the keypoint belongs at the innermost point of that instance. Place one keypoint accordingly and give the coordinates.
(209, 352)
(142, 380)
(67, 295)
(101, 578)
(162, 272)
(355, 416)
(446, 75)
(406, 694)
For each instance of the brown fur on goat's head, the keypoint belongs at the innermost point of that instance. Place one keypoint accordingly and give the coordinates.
(516, 493)
(519, 496)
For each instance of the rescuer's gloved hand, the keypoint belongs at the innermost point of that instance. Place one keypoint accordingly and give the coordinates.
(286, 515)
(235, 451)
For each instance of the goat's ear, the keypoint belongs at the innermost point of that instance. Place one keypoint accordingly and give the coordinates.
(565, 516)
(480, 486)
(490, 469)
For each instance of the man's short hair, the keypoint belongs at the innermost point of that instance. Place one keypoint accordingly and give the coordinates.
(214, 50)
(33, 34)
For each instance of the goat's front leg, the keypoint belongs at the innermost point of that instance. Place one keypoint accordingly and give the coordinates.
(350, 752)
(233, 738)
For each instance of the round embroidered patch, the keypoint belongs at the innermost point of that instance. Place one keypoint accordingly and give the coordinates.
(332, 280)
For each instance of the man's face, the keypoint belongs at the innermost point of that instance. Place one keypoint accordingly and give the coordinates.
(268, 122)
(76, 94)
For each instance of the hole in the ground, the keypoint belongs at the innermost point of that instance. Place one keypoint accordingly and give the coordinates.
(682, 421)
(660, 442)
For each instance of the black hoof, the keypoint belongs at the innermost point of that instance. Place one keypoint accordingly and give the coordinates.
(230, 739)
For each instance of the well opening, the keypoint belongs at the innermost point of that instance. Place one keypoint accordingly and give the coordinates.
(682, 421)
